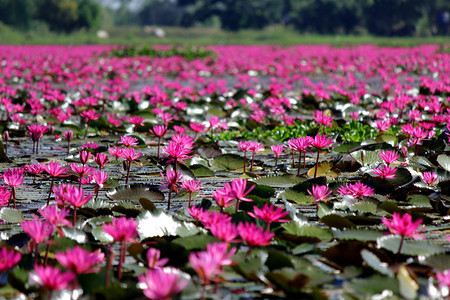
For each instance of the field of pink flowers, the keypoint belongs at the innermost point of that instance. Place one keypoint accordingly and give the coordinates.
(256, 172)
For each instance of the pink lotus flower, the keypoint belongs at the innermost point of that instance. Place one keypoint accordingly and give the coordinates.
(176, 153)
(195, 212)
(159, 131)
(68, 135)
(301, 145)
(320, 193)
(254, 147)
(277, 150)
(443, 278)
(101, 159)
(130, 155)
(81, 170)
(237, 190)
(322, 119)
(191, 186)
(115, 152)
(36, 168)
(90, 145)
(154, 259)
(429, 177)
(51, 278)
(211, 218)
(122, 230)
(36, 132)
(403, 226)
(222, 198)
(162, 283)
(128, 141)
(136, 121)
(254, 235)
(389, 156)
(196, 127)
(170, 181)
(79, 260)
(244, 146)
(85, 156)
(88, 116)
(56, 217)
(39, 231)
(8, 259)
(320, 142)
(386, 172)
(13, 178)
(357, 190)
(5, 196)
(226, 231)
(54, 169)
(269, 214)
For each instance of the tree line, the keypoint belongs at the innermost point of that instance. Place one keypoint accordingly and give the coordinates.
(377, 17)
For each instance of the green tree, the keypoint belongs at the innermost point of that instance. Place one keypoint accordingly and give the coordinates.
(17, 13)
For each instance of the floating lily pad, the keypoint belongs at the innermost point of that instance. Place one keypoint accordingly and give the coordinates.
(357, 234)
(375, 263)
(444, 162)
(201, 171)
(373, 285)
(227, 162)
(402, 176)
(336, 221)
(344, 148)
(11, 215)
(285, 180)
(323, 169)
(307, 231)
(136, 192)
(365, 207)
(262, 191)
(410, 247)
(196, 242)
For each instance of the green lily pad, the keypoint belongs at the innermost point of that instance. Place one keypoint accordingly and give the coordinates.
(375, 263)
(101, 235)
(297, 197)
(402, 176)
(196, 242)
(136, 192)
(365, 157)
(410, 247)
(201, 171)
(277, 260)
(357, 234)
(388, 139)
(337, 221)
(262, 191)
(444, 162)
(439, 261)
(344, 148)
(365, 207)
(227, 162)
(373, 285)
(285, 180)
(308, 231)
(11, 215)
(419, 200)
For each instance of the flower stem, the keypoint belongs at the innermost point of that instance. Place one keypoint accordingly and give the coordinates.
(245, 159)
(14, 196)
(299, 162)
(74, 215)
(276, 160)
(399, 249)
(168, 199)
(87, 128)
(317, 163)
(109, 264)
(159, 144)
(50, 192)
(128, 171)
(253, 159)
(121, 260)
(190, 197)
(46, 254)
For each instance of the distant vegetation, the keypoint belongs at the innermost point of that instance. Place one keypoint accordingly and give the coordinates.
(355, 17)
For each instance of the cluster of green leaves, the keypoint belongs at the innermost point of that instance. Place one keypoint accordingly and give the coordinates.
(187, 52)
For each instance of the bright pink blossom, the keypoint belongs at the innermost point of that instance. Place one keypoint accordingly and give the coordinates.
(8, 259)
(254, 235)
(122, 229)
(389, 156)
(162, 283)
(79, 260)
(404, 225)
(386, 172)
(320, 193)
(51, 278)
(269, 214)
